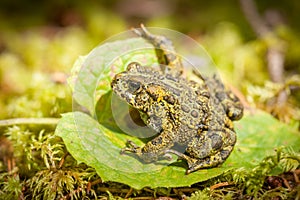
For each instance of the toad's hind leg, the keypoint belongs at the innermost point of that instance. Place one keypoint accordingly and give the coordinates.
(208, 149)
(164, 49)
(230, 102)
(210, 161)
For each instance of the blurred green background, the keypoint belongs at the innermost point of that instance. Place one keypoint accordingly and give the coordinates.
(40, 40)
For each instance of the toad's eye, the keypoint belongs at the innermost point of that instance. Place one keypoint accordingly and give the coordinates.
(134, 86)
(133, 66)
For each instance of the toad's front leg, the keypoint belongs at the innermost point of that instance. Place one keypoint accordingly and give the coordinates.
(153, 150)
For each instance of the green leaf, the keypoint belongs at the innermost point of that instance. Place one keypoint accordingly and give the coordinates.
(259, 134)
(97, 139)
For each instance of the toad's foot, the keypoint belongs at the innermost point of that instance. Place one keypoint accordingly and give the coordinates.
(132, 147)
(190, 161)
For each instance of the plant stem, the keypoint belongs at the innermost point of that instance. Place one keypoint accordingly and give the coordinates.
(18, 121)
